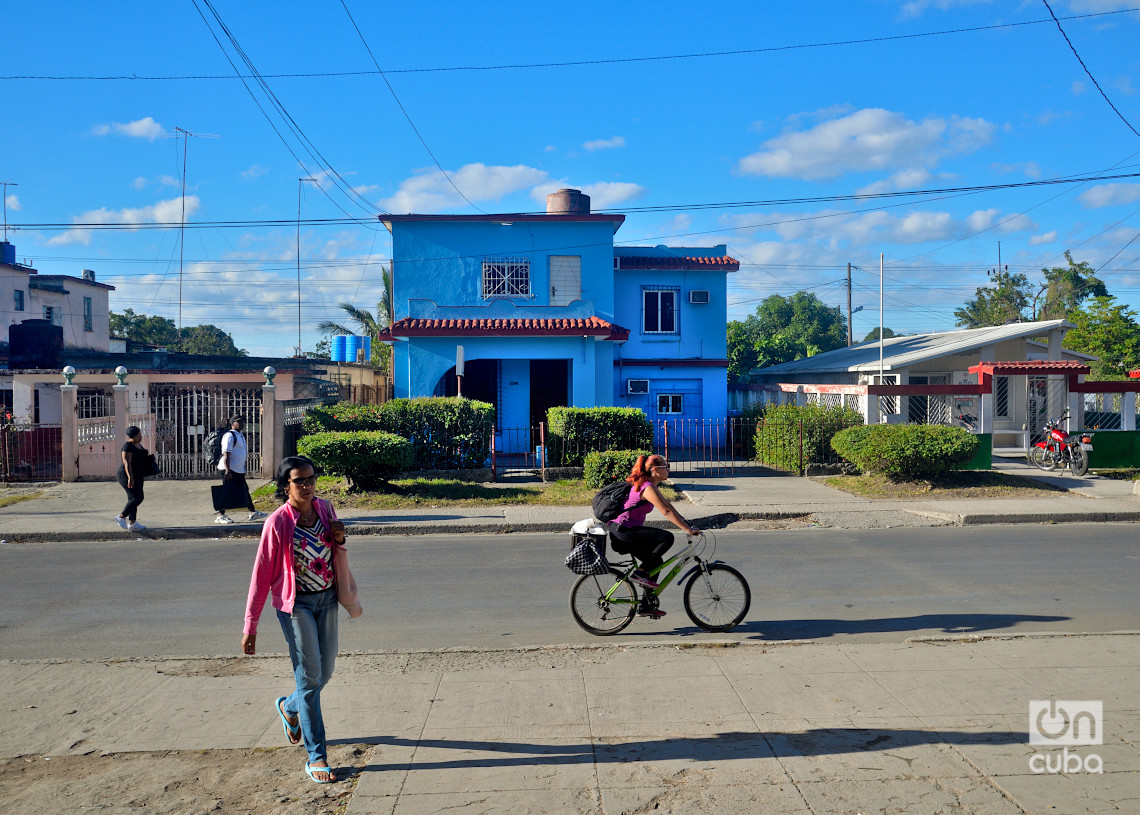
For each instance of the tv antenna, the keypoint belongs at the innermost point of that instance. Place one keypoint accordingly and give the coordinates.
(182, 224)
(6, 185)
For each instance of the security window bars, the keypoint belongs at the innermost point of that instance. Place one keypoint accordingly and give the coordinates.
(1001, 397)
(659, 311)
(669, 403)
(87, 314)
(52, 314)
(506, 277)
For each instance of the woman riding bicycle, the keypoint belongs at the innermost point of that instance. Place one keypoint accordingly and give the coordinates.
(628, 533)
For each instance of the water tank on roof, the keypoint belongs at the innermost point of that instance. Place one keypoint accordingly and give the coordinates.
(7, 253)
(354, 343)
(35, 344)
(567, 202)
(338, 346)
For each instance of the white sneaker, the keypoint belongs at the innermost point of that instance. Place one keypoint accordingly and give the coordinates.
(223, 519)
(136, 527)
(256, 516)
(121, 521)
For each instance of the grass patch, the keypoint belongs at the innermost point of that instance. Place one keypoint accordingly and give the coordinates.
(9, 500)
(963, 484)
(1118, 474)
(414, 493)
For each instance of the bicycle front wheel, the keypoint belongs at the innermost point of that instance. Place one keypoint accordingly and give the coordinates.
(602, 616)
(717, 600)
(1043, 458)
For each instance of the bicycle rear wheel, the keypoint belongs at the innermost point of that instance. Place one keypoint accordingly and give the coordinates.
(594, 612)
(718, 600)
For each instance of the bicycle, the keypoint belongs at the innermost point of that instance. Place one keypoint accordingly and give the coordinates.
(716, 596)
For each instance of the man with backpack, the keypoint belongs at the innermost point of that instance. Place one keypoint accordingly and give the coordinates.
(235, 492)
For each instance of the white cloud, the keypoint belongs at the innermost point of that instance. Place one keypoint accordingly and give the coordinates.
(550, 148)
(255, 171)
(1048, 237)
(146, 128)
(1078, 87)
(162, 212)
(602, 194)
(430, 191)
(915, 8)
(12, 202)
(604, 144)
(1109, 195)
(904, 180)
(868, 139)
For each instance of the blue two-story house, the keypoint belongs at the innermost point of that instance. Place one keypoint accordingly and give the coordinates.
(544, 311)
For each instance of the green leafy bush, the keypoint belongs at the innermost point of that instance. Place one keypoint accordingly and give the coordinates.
(907, 452)
(367, 458)
(609, 466)
(447, 433)
(574, 432)
(792, 436)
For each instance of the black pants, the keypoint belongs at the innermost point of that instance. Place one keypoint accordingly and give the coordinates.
(235, 495)
(647, 544)
(134, 496)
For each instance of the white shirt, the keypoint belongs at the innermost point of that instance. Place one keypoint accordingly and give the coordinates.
(234, 444)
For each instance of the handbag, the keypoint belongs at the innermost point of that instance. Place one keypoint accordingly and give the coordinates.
(588, 557)
(152, 467)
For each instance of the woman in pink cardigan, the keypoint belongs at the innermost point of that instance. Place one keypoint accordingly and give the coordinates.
(300, 554)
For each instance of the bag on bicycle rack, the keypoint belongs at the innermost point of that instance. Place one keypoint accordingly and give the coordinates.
(588, 555)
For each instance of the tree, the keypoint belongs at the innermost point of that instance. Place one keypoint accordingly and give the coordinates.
(1003, 301)
(197, 339)
(1109, 331)
(783, 329)
(873, 334)
(1066, 288)
(366, 323)
(141, 328)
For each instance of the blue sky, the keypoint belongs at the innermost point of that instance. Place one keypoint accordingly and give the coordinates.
(670, 105)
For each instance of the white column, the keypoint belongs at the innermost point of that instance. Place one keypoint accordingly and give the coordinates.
(23, 399)
(272, 431)
(69, 431)
(122, 410)
(1127, 412)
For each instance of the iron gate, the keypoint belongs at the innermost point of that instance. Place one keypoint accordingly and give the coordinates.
(185, 414)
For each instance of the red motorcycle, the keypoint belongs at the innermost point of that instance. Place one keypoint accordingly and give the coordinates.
(1060, 449)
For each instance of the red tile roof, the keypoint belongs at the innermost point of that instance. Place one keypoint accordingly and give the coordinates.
(517, 327)
(1057, 366)
(724, 262)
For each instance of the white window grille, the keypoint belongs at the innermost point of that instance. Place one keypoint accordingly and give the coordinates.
(659, 311)
(1001, 397)
(565, 279)
(87, 319)
(670, 403)
(506, 277)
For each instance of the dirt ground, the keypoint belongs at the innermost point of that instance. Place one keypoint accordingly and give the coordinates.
(262, 782)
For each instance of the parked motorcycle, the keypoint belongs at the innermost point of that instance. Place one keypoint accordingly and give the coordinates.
(1061, 449)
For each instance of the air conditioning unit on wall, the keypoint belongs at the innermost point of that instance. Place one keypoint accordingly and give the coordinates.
(699, 296)
(637, 386)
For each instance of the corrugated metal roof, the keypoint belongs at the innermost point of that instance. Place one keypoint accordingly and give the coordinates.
(900, 352)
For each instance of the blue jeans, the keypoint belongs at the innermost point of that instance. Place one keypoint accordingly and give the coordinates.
(311, 633)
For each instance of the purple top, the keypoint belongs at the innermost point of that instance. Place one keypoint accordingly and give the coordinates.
(635, 515)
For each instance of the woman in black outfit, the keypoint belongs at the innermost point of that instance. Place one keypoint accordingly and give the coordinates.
(131, 474)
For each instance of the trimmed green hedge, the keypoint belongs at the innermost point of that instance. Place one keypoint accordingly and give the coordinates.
(792, 436)
(447, 433)
(609, 466)
(574, 432)
(367, 458)
(906, 452)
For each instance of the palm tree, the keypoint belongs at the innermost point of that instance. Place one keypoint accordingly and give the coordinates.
(366, 323)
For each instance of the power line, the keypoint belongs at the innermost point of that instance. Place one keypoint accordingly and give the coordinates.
(572, 63)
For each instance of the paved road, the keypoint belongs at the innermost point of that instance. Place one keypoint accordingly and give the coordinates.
(137, 599)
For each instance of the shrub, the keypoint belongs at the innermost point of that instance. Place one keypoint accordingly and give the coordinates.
(367, 458)
(791, 436)
(574, 432)
(610, 466)
(449, 433)
(908, 452)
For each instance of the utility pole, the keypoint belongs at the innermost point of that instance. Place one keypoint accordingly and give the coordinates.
(848, 304)
(300, 186)
(6, 185)
(182, 224)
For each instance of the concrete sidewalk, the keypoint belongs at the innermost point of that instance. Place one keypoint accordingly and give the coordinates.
(181, 509)
(931, 726)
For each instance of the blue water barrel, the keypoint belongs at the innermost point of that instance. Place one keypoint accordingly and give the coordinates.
(338, 348)
(354, 343)
(367, 349)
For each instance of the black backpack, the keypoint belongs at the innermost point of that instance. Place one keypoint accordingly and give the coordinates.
(212, 446)
(610, 501)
